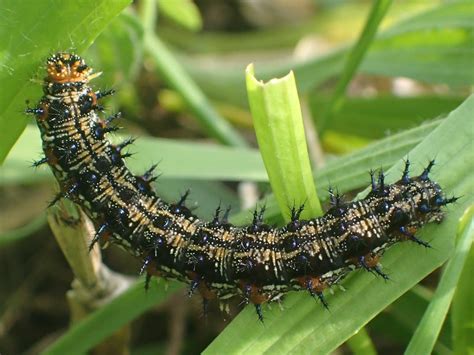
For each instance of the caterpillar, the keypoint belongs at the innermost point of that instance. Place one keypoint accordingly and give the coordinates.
(257, 262)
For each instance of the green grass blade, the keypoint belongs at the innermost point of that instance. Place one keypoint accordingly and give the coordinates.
(377, 13)
(378, 115)
(434, 46)
(204, 161)
(32, 30)
(428, 329)
(462, 314)
(280, 133)
(171, 70)
(399, 321)
(97, 326)
(361, 343)
(304, 326)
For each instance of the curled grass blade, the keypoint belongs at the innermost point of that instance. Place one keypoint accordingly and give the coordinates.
(280, 133)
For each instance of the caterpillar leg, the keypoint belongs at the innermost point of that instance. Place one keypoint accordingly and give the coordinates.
(371, 263)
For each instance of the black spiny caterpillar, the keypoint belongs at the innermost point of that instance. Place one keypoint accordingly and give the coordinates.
(257, 262)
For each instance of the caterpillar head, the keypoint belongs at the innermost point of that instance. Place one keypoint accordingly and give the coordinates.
(417, 203)
(68, 68)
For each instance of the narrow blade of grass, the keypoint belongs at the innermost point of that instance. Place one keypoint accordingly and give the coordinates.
(377, 13)
(204, 161)
(462, 314)
(373, 117)
(89, 332)
(171, 70)
(361, 343)
(428, 329)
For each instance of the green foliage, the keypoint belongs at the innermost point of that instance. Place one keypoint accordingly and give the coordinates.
(376, 117)
(237, 163)
(430, 325)
(354, 59)
(93, 329)
(462, 310)
(30, 32)
(432, 46)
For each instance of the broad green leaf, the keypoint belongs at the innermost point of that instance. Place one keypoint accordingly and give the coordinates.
(280, 133)
(304, 326)
(30, 32)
